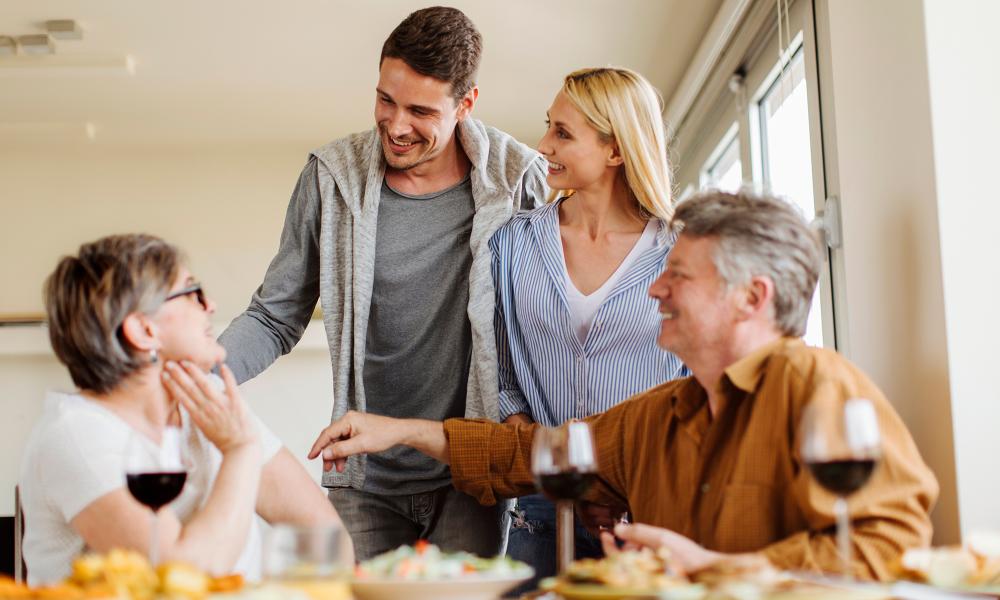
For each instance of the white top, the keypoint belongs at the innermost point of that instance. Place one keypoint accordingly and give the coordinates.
(583, 309)
(76, 454)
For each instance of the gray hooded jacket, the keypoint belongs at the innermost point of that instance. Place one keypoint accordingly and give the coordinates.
(328, 251)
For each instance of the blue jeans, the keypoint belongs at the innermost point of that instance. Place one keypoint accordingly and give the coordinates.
(446, 517)
(533, 538)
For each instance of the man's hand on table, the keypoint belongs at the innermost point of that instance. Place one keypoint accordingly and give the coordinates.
(686, 555)
(363, 433)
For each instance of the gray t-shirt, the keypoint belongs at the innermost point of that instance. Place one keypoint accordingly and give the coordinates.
(419, 339)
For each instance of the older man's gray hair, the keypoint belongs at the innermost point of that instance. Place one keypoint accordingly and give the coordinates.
(759, 235)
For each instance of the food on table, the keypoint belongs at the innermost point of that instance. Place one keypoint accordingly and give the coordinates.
(126, 574)
(643, 569)
(425, 562)
(744, 568)
(645, 573)
(975, 564)
(11, 589)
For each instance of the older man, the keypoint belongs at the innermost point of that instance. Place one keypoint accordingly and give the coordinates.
(712, 460)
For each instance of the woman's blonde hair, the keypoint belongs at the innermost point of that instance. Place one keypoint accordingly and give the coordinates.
(625, 108)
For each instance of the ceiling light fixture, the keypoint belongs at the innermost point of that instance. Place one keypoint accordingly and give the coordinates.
(38, 44)
(64, 29)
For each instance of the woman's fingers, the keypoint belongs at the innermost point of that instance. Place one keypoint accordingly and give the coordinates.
(232, 388)
(201, 381)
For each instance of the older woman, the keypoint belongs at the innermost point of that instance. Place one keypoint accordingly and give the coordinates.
(132, 326)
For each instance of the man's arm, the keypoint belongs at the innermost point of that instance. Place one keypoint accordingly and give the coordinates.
(364, 433)
(488, 460)
(282, 306)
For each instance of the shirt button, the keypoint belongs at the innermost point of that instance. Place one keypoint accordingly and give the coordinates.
(705, 487)
(579, 359)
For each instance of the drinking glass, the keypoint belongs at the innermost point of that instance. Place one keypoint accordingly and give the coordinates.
(841, 445)
(155, 476)
(564, 466)
(312, 560)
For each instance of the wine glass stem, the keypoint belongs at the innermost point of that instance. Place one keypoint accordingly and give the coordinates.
(565, 545)
(154, 539)
(844, 536)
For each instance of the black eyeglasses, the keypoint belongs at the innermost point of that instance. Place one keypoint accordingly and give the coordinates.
(194, 288)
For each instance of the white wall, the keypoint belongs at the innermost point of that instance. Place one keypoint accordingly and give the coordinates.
(877, 125)
(223, 206)
(962, 51)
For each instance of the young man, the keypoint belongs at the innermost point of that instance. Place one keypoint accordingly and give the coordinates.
(389, 230)
(712, 460)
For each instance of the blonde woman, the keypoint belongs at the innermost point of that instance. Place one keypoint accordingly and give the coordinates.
(576, 330)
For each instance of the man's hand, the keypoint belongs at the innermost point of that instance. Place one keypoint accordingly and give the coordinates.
(685, 555)
(598, 517)
(518, 418)
(356, 433)
(362, 433)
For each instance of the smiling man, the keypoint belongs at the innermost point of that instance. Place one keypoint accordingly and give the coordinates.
(388, 229)
(712, 461)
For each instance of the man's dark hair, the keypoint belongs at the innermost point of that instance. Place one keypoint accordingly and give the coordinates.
(439, 42)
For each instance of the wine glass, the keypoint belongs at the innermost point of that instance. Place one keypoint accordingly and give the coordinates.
(841, 445)
(155, 476)
(315, 560)
(564, 466)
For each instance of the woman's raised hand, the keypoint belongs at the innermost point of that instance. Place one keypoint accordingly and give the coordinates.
(221, 415)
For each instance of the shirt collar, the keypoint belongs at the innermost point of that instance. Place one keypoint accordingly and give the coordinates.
(745, 374)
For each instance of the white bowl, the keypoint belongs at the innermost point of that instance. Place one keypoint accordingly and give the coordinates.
(470, 587)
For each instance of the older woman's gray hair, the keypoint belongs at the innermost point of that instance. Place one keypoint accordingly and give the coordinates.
(88, 296)
(759, 235)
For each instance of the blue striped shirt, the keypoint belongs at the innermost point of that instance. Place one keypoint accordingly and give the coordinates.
(545, 372)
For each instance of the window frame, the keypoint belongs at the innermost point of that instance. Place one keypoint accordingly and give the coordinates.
(730, 97)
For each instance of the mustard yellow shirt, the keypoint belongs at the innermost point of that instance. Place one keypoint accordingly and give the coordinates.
(735, 482)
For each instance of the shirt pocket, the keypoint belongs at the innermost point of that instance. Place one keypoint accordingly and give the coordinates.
(747, 519)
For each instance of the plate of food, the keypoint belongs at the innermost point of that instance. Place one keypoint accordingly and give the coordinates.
(631, 575)
(425, 572)
(973, 567)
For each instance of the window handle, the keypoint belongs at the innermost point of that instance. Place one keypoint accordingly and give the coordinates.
(827, 222)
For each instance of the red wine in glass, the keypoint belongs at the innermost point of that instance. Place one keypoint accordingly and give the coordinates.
(156, 489)
(564, 464)
(155, 475)
(842, 477)
(566, 485)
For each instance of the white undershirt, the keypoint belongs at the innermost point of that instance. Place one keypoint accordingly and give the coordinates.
(583, 309)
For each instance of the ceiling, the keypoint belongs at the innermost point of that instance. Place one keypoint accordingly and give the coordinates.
(303, 71)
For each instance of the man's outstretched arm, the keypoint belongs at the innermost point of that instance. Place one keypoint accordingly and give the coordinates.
(488, 460)
(363, 433)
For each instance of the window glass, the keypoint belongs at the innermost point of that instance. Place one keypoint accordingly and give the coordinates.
(786, 158)
(726, 172)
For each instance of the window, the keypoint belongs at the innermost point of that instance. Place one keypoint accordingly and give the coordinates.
(725, 169)
(785, 158)
(755, 123)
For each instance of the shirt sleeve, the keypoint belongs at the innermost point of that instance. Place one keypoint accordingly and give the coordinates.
(534, 190)
(77, 469)
(493, 460)
(282, 306)
(888, 515)
(512, 400)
